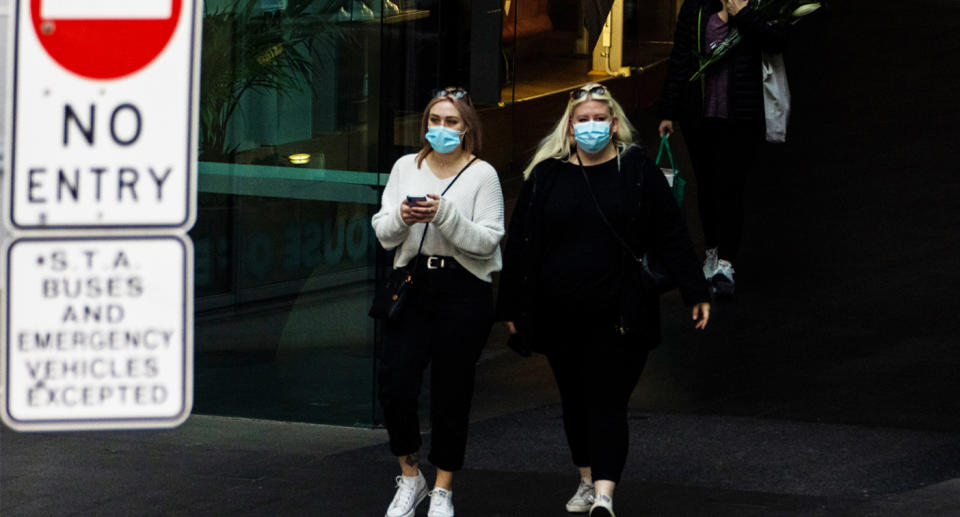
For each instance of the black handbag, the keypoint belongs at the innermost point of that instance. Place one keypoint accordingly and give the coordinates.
(642, 275)
(655, 277)
(390, 296)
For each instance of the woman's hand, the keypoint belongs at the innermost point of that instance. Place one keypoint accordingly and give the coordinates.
(701, 314)
(406, 213)
(734, 6)
(511, 327)
(421, 213)
(427, 210)
(666, 127)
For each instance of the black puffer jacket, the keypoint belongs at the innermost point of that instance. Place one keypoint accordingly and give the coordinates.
(658, 225)
(682, 99)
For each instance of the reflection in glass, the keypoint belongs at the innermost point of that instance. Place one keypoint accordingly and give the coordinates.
(547, 50)
(288, 182)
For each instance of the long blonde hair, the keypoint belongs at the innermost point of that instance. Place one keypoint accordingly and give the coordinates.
(559, 143)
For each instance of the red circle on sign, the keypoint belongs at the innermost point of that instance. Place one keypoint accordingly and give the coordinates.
(104, 48)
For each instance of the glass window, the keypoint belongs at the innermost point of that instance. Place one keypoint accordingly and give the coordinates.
(547, 50)
(648, 31)
(289, 177)
(545, 47)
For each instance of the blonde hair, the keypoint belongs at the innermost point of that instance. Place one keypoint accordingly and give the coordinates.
(472, 138)
(560, 144)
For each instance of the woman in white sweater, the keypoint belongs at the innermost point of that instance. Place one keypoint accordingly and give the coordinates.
(450, 239)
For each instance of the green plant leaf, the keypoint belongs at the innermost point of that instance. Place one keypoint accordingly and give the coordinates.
(245, 49)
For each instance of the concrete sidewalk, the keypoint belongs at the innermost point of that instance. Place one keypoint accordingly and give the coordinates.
(690, 456)
(692, 463)
(517, 464)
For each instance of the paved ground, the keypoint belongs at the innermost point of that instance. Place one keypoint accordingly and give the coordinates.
(679, 465)
(827, 388)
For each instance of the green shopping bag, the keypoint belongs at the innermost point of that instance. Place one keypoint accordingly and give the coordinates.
(676, 183)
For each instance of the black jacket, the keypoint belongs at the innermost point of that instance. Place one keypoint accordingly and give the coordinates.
(657, 223)
(682, 99)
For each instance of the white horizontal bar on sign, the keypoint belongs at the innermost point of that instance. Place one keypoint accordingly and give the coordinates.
(105, 9)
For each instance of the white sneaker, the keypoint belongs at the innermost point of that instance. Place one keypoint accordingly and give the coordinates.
(410, 491)
(441, 503)
(723, 279)
(582, 499)
(710, 264)
(602, 507)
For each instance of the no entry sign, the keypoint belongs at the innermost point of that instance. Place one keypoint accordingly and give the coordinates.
(103, 114)
(104, 39)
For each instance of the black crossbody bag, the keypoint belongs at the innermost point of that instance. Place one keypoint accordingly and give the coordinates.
(390, 296)
(641, 275)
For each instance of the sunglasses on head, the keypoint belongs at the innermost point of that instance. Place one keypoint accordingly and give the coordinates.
(595, 91)
(451, 91)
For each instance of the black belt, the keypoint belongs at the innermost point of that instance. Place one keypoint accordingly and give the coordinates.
(437, 262)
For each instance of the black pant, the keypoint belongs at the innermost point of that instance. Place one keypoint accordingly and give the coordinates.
(722, 151)
(595, 373)
(446, 324)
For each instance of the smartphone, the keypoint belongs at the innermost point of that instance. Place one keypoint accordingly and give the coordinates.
(416, 200)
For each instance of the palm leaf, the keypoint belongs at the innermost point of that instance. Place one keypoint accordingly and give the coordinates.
(772, 11)
(245, 50)
(726, 45)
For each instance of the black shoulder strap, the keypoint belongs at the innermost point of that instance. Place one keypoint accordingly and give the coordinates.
(455, 178)
(603, 217)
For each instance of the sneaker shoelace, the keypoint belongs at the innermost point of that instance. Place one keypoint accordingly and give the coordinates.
(405, 493)
(726, 268)
(440, 496)
(585, 491)
(710, 265)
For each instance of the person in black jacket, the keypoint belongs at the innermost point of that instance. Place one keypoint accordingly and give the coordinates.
(721, 115)
(566, 271)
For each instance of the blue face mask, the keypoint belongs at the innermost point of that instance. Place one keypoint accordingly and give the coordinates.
(443, 139)
(592, 135)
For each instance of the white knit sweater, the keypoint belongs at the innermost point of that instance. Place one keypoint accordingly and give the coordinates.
(469, 221)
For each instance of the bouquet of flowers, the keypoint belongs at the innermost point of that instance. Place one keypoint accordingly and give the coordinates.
(772, 11)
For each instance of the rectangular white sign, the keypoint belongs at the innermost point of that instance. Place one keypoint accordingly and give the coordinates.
(105, 9)
(102, 123)
(98, 333)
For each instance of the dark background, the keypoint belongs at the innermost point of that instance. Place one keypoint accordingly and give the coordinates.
(847, 281)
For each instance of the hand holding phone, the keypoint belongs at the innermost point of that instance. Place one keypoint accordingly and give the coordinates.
(412, 211)
(416, 200)
(420, 209)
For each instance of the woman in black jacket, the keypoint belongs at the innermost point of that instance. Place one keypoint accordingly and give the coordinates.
(566, 271)
(721, 115)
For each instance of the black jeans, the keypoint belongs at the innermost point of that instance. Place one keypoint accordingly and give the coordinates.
(722, 151)
(595, 373)
(445, 324)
